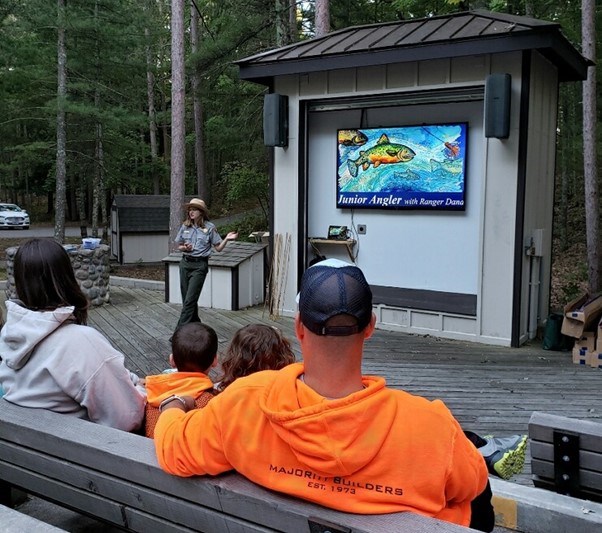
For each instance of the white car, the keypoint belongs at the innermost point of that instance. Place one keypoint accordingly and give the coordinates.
(12, 216)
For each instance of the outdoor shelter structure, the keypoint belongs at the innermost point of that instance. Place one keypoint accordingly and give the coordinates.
(480, 272)
(139, 228)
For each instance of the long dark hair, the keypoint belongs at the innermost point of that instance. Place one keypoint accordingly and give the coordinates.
(44, 278)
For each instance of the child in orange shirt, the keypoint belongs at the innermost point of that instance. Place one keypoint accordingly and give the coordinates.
(194, 353)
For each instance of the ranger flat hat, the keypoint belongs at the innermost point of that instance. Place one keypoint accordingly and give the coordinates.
(198, 204)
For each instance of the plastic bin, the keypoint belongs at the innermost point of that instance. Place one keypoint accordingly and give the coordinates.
(90, 243)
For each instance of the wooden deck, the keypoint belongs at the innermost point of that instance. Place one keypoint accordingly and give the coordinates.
(491, 390)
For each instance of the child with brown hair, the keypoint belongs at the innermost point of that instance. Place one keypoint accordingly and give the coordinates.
(253, 348)
(194, 353)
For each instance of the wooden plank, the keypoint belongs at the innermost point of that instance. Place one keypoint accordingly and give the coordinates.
(542, 426)
(16, 522)
(128, 336)
(544, 451)
(121, 503)
(88, 459)
(541, 431)
(61, 493)
(588, 479)
(544, 483)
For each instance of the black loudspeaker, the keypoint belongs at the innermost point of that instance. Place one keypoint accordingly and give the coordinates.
(497, 106)
(275, 120)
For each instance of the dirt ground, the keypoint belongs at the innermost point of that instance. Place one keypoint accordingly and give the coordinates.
(569, 276)
(155, 272)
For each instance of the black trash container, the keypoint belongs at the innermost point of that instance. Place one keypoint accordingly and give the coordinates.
(553, 339)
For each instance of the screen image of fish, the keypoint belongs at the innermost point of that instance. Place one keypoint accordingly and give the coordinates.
(406, 167)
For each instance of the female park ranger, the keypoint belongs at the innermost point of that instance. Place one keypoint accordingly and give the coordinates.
(195, 240)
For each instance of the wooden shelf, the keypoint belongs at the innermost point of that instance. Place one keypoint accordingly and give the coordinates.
(316, 242)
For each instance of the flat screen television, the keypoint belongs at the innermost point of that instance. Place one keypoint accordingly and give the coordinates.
(405, 167)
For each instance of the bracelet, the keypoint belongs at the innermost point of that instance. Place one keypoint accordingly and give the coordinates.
(170, 399)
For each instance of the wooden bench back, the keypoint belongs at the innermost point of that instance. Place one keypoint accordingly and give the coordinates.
(566, 455)
(114, 476)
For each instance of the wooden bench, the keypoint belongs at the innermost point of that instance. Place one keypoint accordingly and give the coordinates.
(15, 522)
(566, 455)
(114, 476)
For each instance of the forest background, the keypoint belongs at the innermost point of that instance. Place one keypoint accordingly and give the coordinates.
(86, 105)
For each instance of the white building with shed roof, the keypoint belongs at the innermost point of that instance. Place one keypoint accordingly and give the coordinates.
(139, 228)
(484, 83)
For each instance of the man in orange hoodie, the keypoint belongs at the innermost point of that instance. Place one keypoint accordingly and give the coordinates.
(320, 430)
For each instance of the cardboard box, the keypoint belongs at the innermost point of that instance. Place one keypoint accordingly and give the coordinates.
(583, 349)
(581, 314)
(594, 359)
(587, 341)
(580, 355)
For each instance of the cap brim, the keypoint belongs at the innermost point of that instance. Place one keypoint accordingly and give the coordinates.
(188, 206)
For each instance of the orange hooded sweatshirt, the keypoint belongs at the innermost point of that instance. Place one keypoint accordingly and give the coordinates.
(378, 450)
(161, 386)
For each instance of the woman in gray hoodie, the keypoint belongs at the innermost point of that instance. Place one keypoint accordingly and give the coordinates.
(50, 358)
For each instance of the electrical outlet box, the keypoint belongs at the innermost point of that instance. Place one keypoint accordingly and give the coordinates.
(361, 229)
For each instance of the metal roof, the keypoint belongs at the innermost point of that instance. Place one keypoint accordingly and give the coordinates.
(142, 213)
(461, 34)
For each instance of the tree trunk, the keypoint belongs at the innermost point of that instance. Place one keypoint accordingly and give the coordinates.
(199, 148)
(98, 190)
(152, 114)
(592, 211)
(292, 21)
(178, 146)
(561, 198)
(98, 151)
(80, 192)
(165, 126)
(282, 22)
(61, 128)
(322, 21)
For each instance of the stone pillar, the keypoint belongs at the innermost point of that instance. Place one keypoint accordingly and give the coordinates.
(91, 267)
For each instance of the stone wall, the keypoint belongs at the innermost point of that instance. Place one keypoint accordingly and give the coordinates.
(91, 269)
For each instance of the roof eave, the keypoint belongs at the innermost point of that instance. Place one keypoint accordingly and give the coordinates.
(571, 65)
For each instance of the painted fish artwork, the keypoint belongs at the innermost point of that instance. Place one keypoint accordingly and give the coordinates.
(422, 166)
(446, 166)
(352, 138)
(453, 150)
(384, 152)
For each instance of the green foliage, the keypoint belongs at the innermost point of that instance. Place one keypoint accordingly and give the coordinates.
(245, 227)
(573, 283)
(545, 9)
(408, 9)
(242, 182)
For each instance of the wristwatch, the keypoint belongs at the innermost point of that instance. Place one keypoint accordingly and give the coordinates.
(172, 398)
